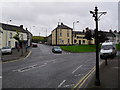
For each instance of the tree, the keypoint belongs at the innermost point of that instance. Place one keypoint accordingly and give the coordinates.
(88, 35)
(101, 36)
(17, 37)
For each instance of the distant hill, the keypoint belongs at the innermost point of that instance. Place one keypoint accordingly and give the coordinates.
(38, 39)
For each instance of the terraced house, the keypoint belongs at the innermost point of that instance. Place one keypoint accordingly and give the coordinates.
(64, 35)
(79, 38)
(9, 31)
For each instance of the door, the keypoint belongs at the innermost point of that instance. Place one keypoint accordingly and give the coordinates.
(79, 42)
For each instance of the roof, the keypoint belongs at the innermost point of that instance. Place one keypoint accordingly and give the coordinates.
(13, 28)
(78, 32)
(62, 26)
(109, 34)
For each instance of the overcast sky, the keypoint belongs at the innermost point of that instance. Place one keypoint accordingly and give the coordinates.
(46, 15)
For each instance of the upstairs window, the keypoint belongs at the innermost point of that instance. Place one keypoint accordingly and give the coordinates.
(60, 34)
(10, 35)
(67, 34)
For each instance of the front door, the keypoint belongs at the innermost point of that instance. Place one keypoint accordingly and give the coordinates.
(79, 42)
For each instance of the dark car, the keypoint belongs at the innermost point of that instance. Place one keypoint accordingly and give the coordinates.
(56, 49)
(34, 45)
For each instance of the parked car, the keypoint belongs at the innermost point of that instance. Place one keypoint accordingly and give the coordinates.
(34, 45)
(108, 49)
(6, 50)
(56, 49)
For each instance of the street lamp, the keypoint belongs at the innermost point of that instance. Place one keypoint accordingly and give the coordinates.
(7, 33)
(73, 30)
(97, 18)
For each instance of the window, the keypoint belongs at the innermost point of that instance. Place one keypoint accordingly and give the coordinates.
(68, 41)
(9, 43)
(21, 36)
(60, 34)
(83, 41)
(75, 41)
(67, 34)
(10, 35)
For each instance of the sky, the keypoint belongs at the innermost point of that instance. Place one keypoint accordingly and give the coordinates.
(41, 18)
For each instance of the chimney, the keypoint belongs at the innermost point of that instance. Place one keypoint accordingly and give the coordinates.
(61, 23)
(83, 31)
(26, 29)
(21, 26)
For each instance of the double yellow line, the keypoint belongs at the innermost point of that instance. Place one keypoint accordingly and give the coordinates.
(82, 81)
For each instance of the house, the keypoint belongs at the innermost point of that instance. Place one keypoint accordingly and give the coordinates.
(62, 35)
(49, 39)
(117, 39)
(79, 38)
(9, 31)
(110, 35)
(1, 31)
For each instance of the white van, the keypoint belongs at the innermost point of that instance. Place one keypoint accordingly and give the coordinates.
(108, 49)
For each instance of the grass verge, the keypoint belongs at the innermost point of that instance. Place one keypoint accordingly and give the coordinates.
(83, 48)
(79, 48)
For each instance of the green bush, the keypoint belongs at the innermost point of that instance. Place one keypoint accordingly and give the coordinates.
(118, 47)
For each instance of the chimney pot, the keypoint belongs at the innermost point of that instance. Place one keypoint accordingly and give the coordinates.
(21, 26)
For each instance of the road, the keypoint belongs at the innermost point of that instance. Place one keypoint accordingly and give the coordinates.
(44, 69)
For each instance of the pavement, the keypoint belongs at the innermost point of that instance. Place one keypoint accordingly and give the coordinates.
(109, 75)
(16, 55)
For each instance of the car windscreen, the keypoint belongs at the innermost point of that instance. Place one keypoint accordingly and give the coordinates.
(107, 47)
(57, 47)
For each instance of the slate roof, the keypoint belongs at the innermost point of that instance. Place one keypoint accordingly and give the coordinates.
(78, 32)
(109, 34)
(62, 26)
(13, 28)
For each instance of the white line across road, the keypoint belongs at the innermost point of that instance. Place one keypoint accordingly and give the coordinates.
(61, 83)
(76, 69)
(0, 77)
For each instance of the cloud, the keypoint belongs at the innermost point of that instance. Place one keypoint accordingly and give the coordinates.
(47, 14)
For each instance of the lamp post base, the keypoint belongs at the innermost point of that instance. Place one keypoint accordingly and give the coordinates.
(97, 82)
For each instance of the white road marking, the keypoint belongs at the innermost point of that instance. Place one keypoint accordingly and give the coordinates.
(71, 85)
(61, 83)
(32, 67)
(76, 69)
(78, 75)
(0, 77)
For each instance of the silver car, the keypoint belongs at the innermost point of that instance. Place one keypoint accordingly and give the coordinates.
(6, 50)
(56, 49)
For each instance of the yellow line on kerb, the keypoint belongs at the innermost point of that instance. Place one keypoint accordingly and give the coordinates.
(18, 59)
(84, 78)
(82, 81)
